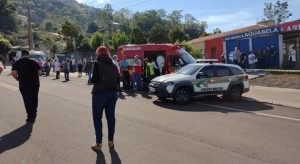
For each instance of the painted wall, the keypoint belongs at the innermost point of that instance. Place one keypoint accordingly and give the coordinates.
(214, 48)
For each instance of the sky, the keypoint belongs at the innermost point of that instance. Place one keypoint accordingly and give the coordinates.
(224, 14)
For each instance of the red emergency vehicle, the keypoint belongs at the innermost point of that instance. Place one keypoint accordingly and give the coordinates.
(169, 57)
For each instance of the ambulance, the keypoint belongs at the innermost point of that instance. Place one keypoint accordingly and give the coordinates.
(168, 57)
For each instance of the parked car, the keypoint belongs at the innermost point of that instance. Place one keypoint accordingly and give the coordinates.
(202, 79)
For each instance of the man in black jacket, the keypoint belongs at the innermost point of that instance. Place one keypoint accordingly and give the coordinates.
(27, 72)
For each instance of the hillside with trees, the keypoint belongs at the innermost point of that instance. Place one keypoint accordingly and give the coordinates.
(62, 25)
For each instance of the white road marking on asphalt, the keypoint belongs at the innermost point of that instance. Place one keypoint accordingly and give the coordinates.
(13, 88)
(251, 112)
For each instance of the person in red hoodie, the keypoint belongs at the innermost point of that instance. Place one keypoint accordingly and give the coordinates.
(106, 85)
(137, 73)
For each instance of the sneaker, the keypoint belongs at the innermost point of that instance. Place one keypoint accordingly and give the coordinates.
(96, 147)
(111, 144)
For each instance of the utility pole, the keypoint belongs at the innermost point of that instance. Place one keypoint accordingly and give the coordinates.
(30, 39)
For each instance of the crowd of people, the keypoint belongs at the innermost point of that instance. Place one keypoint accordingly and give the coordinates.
(262, 59)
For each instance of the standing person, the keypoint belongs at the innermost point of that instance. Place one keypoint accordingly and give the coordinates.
(1, 67)
(268, 57)
(155, 67)
(115, 61)
(137, 73)
(47, 67)
(79, 66)
(27, 72)
(149, 72)
(242, 60)
(252, 60)
(57, 68)
(73, 65)
(292, 57)
(124, 65)
(236, 56)
(105, 79)
(260, 58)
(66, 68)
(89, 70)
(84, 64)
(223, 58)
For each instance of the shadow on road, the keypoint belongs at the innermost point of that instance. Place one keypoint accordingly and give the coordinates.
(214, 103)
(15, 138)
(115, 159)
(100, 158)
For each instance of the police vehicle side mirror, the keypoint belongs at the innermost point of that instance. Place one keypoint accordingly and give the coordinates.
(200, 75)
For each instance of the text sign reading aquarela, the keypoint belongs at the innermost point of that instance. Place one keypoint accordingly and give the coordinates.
(255, 33)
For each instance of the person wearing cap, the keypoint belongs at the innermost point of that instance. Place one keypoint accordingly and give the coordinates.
(137, 73)
(27, 72)
(106, 85)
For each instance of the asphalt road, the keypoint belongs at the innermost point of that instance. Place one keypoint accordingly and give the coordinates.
(208, 131)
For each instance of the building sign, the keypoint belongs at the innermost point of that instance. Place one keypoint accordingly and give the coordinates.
(132, 48)
(255, 33)
(291, 26)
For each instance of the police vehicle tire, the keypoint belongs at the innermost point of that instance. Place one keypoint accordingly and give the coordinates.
(235, 94)
(182, 96)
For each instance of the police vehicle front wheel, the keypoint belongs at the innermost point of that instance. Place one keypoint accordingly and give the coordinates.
(182, 96)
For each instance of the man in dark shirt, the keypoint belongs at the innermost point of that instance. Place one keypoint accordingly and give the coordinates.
(27, 72)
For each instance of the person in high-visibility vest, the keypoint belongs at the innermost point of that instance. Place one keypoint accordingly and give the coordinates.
(149, 71)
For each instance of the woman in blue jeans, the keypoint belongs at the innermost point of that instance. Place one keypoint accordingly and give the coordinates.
(106, 85)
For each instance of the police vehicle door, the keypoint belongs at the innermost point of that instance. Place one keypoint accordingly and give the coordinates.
(222, 78)
(202, 83)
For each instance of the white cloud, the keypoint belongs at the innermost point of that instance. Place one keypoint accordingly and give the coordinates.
(230, 21)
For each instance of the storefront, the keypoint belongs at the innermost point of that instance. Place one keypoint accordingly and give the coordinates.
(263, 42)
(290, 37)
(214, 48)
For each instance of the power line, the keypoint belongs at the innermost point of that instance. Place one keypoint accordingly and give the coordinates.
(136, 4)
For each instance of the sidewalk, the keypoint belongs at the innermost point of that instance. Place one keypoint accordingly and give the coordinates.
(278, 96)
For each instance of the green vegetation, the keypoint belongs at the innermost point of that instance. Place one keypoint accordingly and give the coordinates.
(5, 47)
(278, 12)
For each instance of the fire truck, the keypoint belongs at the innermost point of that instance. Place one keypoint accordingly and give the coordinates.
(168, 57)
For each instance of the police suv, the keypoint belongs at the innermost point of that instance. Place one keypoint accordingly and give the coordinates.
(201, 79)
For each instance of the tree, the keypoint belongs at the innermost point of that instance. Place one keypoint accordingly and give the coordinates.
(191, 26)
(8, 16)
(86, 44)
(5, 46)
(105, 17)
(137, 36)
(54, 49)
(119, 39)
(49, 26)
(177, 34)
(71, 33)
(217, 30)
(98, 39)
(278, 12)
(158, 34)
(203, 27)
(92, 27)
(175, 19)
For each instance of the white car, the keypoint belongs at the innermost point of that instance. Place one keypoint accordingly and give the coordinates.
(201, 79)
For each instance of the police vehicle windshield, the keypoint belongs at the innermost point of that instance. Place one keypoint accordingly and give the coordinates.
(189, 69)
(186, 57)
